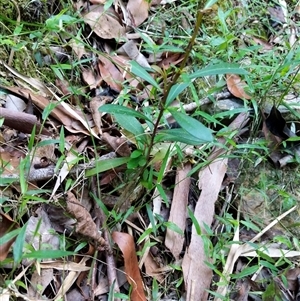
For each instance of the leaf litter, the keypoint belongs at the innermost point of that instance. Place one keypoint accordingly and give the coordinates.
(169, 239)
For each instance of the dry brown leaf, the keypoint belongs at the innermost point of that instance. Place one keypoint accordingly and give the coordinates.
(170, 59)
(104, 23)
(127, 246)
(119, 145)
(72, 119)
(174, 241)
(110, 73)
(6, 226)
(210, 182)
(236, 86)
(91, 78)
(152, 267)
(85, 225)
(138, 10)
(95, 104)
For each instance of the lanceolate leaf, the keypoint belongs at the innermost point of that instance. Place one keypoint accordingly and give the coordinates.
(129, 123)
(140, 71)
(175, 91)
(223, 68)
(116, 109)
(194, 127)
(178, 135)
(105, 165)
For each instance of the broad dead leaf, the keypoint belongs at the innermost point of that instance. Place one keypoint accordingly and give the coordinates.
(138, 10)
(110, 73)
(174, 241)
(236, 86)
(119, 145)
(6, 226)
(85, 225)
(210, 182)
(131, 49)
(91, 78)
(127, 246)
(104, 23)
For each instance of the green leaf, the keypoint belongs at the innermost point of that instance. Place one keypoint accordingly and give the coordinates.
(223, 68)
(246, 272)
(116, 109)
(43, 254)
(131, 124)
(194, 221)
(193, 126)
(173, 227)
(175, 91)
(103, 165)
(177, 135)
(140, 71)
(18, 245)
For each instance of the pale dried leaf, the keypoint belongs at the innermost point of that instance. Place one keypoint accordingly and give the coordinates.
(40, 223)
(15, 103)
(138, 10)
(210, 182)
(78, 48)
(104, 23)
(174, 241)
(130, 48)
(152, 267)
(236, 86)
(39, 279)
(193, 265)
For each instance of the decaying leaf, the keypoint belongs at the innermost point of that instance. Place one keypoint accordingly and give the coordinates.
(236, 86)
(174, 241)
(85, 225)
(6, 226)
(119, 145)
(104, 23)
(110, 73)
(138, 10)
(210, 182)
(127, 246)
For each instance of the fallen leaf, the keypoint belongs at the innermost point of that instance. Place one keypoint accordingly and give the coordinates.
(104, 23)
(85, 225)
(110, 73)
(119, 145)
(138, 10)
(210, 182)
(127, 246)
(91, 78)
(174, 241)
(6, 225)
(131, 49)
(236, 86)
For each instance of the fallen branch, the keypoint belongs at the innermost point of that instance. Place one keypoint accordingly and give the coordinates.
(42, 174)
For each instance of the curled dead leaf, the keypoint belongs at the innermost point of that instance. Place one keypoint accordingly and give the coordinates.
(236, 86)
(85, 225)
